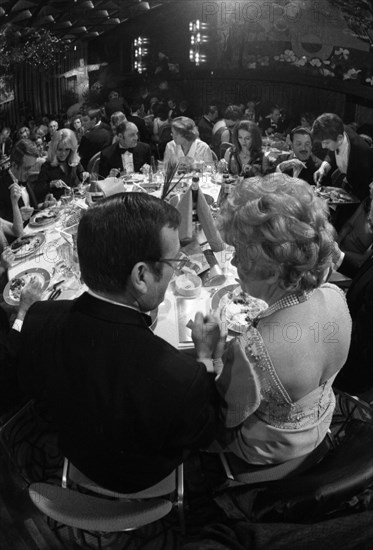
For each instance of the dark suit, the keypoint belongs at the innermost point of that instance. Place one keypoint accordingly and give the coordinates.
(357, 374)
(6, 210)
(111, 157)
(360, 164)
(127, 404)
(313, 163)
(141, 126)
(9, 340)
(93, 142)
(49, 173)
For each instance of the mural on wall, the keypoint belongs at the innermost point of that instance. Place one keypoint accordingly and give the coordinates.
(312, 36)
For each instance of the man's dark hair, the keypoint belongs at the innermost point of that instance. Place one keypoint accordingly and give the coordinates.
(94, 112)
(327, 126)
(118, 232)
(300, 130)
(136, 105)
(23, 147)
(233, 112)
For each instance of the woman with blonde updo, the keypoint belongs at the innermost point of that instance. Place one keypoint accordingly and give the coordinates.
(62, 167)
(276, 380)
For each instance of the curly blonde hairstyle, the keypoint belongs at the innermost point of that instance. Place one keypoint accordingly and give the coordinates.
(279, 226)
(68, 138)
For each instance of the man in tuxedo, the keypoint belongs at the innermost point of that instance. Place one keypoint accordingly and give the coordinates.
(206, 123)
(128, 406)
(97, 136)
(300, 162)
(347, 151)
(127, 154)
(273, 123)
(22, 161)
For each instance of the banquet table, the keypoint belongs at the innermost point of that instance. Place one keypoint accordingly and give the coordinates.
(174, 313)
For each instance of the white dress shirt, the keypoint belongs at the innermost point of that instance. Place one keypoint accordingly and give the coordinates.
(342, 154)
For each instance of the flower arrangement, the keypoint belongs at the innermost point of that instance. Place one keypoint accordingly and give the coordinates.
(338, 65)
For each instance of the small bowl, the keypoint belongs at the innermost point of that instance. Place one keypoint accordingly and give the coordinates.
(188, 285)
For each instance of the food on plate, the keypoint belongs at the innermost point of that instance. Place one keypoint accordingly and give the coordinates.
(240, 308)
(46, 216)
(27, 244)
(16, 285)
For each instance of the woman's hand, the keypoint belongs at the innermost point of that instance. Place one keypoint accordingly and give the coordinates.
(58, 184)
(6, 259)
(15, 193)
(205, 335)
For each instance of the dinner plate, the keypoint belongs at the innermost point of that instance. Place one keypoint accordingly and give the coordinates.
(45, 217)
(239, 307)
(27, 244)
(335, 194)
(12, 291)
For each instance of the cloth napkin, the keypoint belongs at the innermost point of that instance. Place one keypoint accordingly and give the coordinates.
(205, 218)
(111, 186)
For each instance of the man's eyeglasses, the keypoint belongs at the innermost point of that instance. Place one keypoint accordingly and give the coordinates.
(175, 263)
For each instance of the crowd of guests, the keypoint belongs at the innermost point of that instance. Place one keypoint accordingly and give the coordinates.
(127, 405)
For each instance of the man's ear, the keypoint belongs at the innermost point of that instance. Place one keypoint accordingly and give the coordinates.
(140, 277)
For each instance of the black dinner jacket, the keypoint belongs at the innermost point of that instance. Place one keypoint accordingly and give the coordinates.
(6, 210)
(356, 376)
(127, 404)
(360, 164)
(93, 142)
(111, 157)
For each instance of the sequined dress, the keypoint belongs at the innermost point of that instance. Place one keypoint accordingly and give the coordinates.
(265, 425)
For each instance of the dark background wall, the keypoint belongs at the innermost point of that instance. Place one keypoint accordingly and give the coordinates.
(235, 44)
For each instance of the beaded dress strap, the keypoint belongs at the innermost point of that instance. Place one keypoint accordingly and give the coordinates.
(287, 301)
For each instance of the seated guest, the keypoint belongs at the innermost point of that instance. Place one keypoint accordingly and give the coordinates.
(15, 227)
(223, 130)
(77, 127)
(273, 123)
(22, 161)
(276, 379)
(356, 377)
(115, 119)
(62, 167)
(300, 162)
(246, 157)
(115, 103)
(127, 154)
(5, 142)
(52, 129)
(186, 147)
(206, 123)
(23, 133)
(355, 240)
(10, 395)
(137, 117)
(96, 136)
(347, 151)
(128, 405)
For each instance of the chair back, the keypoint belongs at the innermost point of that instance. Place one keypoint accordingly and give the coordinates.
(92, 513)
(93, 165)
(223, 148)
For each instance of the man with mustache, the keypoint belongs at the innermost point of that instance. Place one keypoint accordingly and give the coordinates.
(300, 162)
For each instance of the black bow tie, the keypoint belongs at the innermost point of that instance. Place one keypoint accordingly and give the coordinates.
(124, 150)
(337, 151)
